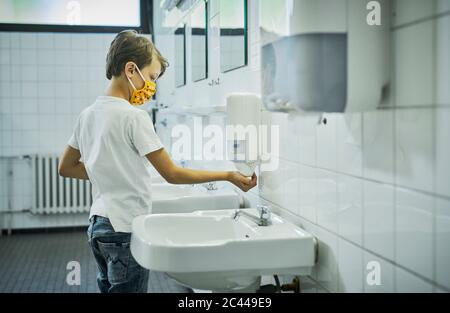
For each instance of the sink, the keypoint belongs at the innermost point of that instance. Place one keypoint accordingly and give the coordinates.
(209, 250)
(168, 198)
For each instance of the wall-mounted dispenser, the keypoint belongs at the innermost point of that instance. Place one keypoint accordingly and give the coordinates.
(324, 56)
(242, 131)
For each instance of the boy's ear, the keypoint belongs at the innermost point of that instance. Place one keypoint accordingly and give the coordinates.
(129, 69)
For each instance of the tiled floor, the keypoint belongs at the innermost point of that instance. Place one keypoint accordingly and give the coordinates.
(36, 262)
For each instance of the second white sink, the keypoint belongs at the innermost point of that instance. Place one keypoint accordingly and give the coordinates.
(168, 198)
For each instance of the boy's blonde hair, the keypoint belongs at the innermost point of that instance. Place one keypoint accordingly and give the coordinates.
(128, 46)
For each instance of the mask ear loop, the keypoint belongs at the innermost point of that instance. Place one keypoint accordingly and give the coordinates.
(137, 68)
(142, 76)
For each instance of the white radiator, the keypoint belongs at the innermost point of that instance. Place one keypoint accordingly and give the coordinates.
(54, 194)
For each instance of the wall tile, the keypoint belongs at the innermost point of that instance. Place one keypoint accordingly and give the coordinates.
(5, 40)
(291, 182)
(326, 270)
(214, 7)
(36, 81)
(14, 40)
(28, 41)
(307, 135)
(290, 148)
(326, 142)
(271, 183)
(308, 193)
(46, 57)
(378, 147)
(379, 219)
(349, 143)
(45, 40)
(414, 148)
(350, 267)
(350, 218)
(414, 231)
(62, 41)
(442, 242)
(28, 57)
(442, 6)
(5, 57)
(442, 135)
(414, 74)
(407, 11)
(406, 282)
(326, 199)
(442, 60)
(279, 120)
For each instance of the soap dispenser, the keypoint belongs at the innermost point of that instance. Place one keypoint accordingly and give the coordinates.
(242, 131)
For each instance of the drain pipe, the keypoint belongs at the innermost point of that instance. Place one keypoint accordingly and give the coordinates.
(293, 286)
(277, 288)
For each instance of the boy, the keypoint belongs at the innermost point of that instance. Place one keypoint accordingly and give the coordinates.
(113, 145)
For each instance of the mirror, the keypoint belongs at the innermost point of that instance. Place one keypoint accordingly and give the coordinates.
(233, 34)
(180, 56)
(199, 50)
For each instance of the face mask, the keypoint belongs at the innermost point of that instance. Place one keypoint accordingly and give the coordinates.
(140, 96)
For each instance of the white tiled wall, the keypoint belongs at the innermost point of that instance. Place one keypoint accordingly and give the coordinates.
(371, 186)
(46, 80)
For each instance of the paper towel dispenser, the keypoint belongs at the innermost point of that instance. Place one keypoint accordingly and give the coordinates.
(324, 56)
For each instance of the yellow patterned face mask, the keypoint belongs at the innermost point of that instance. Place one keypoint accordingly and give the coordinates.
(140, 96)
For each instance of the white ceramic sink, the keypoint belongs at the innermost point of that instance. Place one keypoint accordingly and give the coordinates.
(210, 250)
(168, 198)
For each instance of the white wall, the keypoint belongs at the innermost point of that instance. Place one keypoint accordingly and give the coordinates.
(371, 186)
(46, 79)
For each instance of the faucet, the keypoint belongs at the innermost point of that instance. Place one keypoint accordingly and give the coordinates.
(163, 122)
(210, 186)
(264, 218)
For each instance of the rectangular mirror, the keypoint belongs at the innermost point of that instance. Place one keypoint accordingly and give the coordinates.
(180, 56)
(233, 34)
(199, 45)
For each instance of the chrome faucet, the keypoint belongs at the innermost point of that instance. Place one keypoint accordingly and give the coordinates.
(264, 218)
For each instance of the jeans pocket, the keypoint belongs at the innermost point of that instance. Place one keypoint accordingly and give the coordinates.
(117, 257)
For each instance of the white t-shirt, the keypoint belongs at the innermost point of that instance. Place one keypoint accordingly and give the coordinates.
(113, 138)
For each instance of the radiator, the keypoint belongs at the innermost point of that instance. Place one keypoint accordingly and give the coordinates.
(54, 194)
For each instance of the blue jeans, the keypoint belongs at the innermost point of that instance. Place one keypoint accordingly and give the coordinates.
(118, 271)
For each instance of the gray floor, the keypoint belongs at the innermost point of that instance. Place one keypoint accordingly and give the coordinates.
(36, 262)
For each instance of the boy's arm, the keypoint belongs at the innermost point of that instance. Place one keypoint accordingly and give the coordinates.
(160, 159)
(70, 165)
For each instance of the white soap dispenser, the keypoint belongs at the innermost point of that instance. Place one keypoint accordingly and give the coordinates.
(242, 131)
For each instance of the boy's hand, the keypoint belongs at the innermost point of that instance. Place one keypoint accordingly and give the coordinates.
(243, 182)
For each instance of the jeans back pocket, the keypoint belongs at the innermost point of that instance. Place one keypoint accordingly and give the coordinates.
(117, 258)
